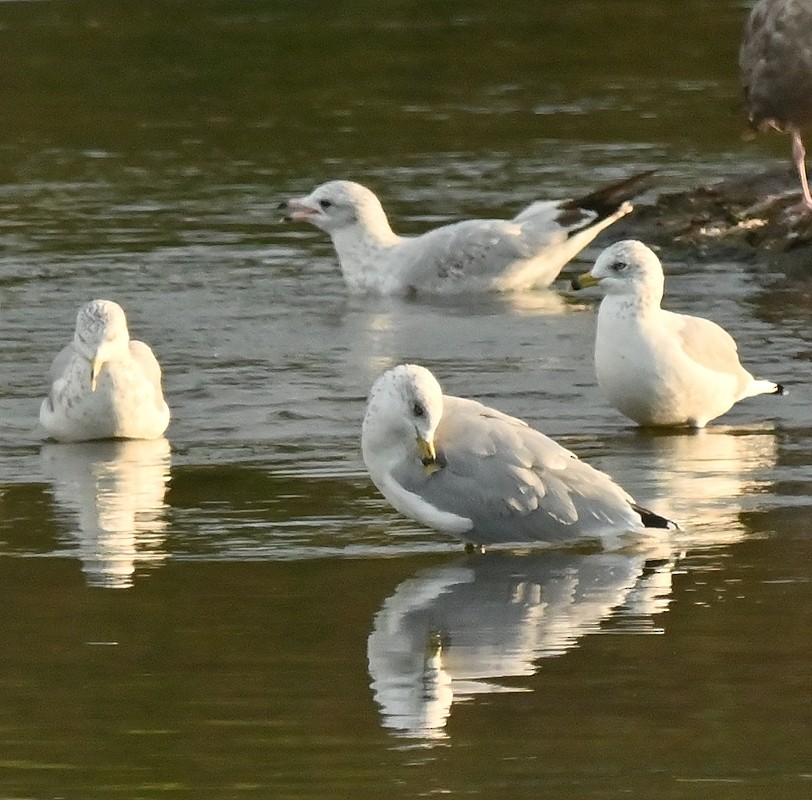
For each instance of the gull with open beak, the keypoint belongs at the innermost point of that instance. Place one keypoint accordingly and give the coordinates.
(473, 255)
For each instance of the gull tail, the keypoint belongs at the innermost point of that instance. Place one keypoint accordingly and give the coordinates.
(609, 199)
(558, 230)
(652, 520)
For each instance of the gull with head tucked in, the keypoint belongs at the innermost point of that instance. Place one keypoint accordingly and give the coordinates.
(657, 367)
(104, 385)
(463, 468)
(473, 255)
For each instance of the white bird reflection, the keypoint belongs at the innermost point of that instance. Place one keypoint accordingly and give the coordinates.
(451, 632)
(394, 326)
(117, 488)
(706, 479)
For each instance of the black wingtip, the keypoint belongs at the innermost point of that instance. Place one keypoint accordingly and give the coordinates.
(608, 199)
(780, 389)
(652, 520)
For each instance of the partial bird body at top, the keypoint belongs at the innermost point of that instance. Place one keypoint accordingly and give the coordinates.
(463, 468)
(104, 385)
(657, 367)
(775, 61)
(527, 251)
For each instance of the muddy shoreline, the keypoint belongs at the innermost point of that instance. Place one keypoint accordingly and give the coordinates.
(752, 218)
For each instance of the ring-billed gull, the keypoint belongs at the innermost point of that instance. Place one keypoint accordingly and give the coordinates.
(466, 469)
(103, 384)
(776, 72)
(657, 367)
(472, 255)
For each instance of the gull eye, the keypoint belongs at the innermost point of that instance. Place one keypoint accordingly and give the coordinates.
(618, 266)
(418, 410)
(325, 204)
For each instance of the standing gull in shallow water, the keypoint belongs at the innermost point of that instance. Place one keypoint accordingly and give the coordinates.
(657, 367)
(103, 384)
(776, 72)
(466, 469)
(472, 255)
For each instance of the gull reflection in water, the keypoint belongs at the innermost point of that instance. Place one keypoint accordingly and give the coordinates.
(117, 488)
(707, 478)
(394, 325)
(451, 632)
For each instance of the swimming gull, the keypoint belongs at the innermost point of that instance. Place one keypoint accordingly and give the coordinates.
(776, 71)
(472, 255)
(657, 367)
(463, 468)
(103, 384)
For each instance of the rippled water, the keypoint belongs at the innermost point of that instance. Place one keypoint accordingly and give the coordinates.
(235, 611)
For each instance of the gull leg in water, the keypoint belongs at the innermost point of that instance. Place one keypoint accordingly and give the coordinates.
(799, 157)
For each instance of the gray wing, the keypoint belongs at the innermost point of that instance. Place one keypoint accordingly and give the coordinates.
(553, 220)
(709, 345)
(150, 367)
(501, 254)
(473, 250)
(57, 371)
(60, 364)
(515, 483)
(146, 360)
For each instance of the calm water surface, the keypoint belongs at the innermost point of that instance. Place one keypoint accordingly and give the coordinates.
(234, 611)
